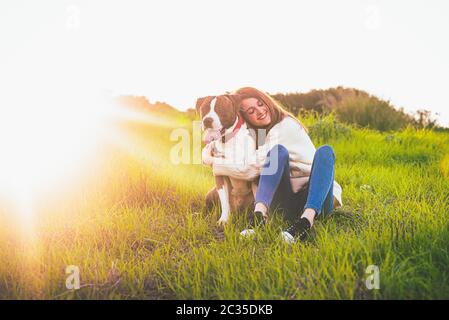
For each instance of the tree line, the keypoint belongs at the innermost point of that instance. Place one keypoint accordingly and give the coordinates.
(355, 107)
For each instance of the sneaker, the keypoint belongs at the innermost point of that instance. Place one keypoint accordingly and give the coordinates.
(299, 230)
(256, 220)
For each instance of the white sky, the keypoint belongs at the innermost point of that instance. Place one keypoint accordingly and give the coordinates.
(175, 51)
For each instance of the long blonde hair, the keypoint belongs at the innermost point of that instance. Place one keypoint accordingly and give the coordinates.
(277, 111)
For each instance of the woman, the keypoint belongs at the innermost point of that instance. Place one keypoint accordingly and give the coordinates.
(294, 176)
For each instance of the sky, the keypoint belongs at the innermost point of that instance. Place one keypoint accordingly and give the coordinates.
(176, 51)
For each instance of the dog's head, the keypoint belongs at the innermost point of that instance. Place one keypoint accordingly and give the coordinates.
(217, 113)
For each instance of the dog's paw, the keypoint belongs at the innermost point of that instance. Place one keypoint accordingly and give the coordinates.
(223, 221)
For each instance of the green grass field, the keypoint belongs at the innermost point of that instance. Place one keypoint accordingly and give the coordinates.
(137, 229)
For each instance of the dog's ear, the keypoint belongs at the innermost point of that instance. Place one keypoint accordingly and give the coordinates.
(236, 99)
(201, 101)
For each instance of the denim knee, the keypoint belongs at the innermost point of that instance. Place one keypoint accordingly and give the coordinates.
(325, 151)
(280, 151)
(277, 158)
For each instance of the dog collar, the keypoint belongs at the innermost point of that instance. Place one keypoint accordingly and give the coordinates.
(229, 136)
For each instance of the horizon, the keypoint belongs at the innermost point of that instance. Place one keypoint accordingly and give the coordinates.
(153, 101)
(175, 51)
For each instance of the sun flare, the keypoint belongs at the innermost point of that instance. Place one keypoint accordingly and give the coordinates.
(46, 141)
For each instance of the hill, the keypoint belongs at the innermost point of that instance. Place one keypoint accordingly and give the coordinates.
(321, 101)
(355, 107)
(142, 103)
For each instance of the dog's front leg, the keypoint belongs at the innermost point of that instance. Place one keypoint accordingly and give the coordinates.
(223, 193)
(254, 186)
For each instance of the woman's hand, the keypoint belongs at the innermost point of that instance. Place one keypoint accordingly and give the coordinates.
(206, 156)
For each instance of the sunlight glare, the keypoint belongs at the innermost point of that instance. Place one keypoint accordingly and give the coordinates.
(45, 139)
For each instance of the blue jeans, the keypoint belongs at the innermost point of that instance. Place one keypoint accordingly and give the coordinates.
(275, 190)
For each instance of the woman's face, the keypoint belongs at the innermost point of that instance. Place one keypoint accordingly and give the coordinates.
(256, 112)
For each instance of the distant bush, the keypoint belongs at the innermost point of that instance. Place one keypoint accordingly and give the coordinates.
(424, 119)
(323, 129)
(322, 101)
(356, 107)
(372, 113)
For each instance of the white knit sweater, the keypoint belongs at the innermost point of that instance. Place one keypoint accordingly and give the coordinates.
(295, 139)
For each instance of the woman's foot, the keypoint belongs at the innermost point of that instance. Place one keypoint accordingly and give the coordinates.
(256, 221)
(299, 230)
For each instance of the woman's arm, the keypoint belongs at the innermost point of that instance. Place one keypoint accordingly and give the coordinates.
(246, 171)
(287, 133)
(252, 165)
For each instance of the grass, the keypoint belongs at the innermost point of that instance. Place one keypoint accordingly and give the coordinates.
(137, 229)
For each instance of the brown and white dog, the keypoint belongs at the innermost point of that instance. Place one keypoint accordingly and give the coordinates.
(225, 129)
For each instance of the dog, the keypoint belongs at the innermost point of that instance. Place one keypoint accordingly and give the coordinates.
(224, 127)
